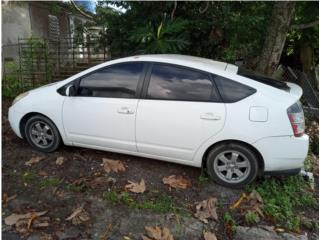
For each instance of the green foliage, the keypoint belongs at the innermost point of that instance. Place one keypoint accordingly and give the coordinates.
(75, 188)
(168, 36)
(203, 178)
(110, 196)
(49, 182)
(226, 30)
(251, 218)
(229, 222)
(161, 204)
(282, 198)
(29, 176)
(11, 80)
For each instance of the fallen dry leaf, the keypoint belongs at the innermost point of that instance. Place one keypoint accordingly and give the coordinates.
(6, 198)
(157, 233)
(136, 187)
(24, 222)
(105, 234)
(78, 216)
(176, 181)
(256, 202)
(239, 201)
(33, 160)
(249, 203)
(113, 165)
(209, 236)
(60, 161)
(207, 210)
(14, 218)
(43, 173)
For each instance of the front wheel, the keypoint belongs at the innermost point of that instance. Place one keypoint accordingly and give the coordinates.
(232, 165)
(42, 134)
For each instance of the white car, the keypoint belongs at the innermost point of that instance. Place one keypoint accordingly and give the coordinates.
(175, 108)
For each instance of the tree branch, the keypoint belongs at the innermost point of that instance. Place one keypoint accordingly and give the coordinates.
(174, 9)
(205, 8)
(79, 10)
(305, 25)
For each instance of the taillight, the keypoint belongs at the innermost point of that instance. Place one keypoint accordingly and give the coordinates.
(296, 117)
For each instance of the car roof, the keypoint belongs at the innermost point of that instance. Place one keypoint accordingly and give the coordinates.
(185, 60)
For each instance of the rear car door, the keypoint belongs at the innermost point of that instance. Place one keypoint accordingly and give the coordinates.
(103, 112)
(180, 108)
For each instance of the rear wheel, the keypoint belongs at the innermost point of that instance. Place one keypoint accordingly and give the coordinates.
(232, 165)
(42, 134)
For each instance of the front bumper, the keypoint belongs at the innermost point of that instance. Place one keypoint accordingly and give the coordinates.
(285, 153)
(14, 120)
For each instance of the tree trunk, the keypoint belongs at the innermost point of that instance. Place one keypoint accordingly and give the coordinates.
(277, 30)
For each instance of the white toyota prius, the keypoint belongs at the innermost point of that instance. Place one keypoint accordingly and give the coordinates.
(175, 108)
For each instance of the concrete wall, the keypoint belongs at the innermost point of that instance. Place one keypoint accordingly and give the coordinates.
(15, 23)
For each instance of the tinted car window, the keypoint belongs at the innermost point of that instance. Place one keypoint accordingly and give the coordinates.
(178, 83)
(232, 91)
(116, 81)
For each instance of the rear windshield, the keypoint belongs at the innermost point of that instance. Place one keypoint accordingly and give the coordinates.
(263, 79)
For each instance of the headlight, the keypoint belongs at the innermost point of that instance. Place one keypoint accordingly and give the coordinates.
(19, 97)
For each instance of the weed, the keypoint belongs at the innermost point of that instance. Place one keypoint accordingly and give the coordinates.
(281, 198)
(161, 204)
(49, 182)
(251, 218)
(230, 223)
(110, 196)
(29, 176)
(203, 178)
(126, 199)
(75, 188)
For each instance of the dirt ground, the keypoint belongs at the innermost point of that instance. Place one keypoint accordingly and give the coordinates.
(82, 182)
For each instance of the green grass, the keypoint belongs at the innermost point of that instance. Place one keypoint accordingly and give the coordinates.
(49, 182)
(229, 222)
(203, 178)
(161, 204)
(29, 176)
(251, 218)
(110, 196)
(75, 188)
(283, 198)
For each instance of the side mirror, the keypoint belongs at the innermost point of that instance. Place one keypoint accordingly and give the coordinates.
(71, 90)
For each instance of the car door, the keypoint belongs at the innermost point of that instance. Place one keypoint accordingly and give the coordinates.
(103, 112)
(180, 109)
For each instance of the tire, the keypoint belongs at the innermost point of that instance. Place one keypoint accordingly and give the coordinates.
(42, 134)
(234, 159)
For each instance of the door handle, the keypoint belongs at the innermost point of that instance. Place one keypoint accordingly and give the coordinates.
(125, 110)
(210, 116)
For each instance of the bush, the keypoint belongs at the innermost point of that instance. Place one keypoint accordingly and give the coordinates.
(11, 84)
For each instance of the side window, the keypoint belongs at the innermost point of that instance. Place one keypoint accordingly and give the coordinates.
(115, 81)
(169, 82)
(232, 91)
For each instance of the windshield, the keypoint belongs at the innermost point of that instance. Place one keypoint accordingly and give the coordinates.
(262, 78)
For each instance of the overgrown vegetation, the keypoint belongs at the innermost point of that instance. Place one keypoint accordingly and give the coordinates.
(34, 65)
(11, 80)
(282, 198)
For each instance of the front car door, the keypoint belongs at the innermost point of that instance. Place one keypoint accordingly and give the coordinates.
(102, 114)
(180, 110)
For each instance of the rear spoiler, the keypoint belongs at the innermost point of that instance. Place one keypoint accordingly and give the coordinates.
(295, 90)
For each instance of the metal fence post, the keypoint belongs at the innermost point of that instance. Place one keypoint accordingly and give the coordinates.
(20, 68)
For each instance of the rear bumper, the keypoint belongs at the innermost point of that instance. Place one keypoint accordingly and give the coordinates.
(283, 154)
(14, 120)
